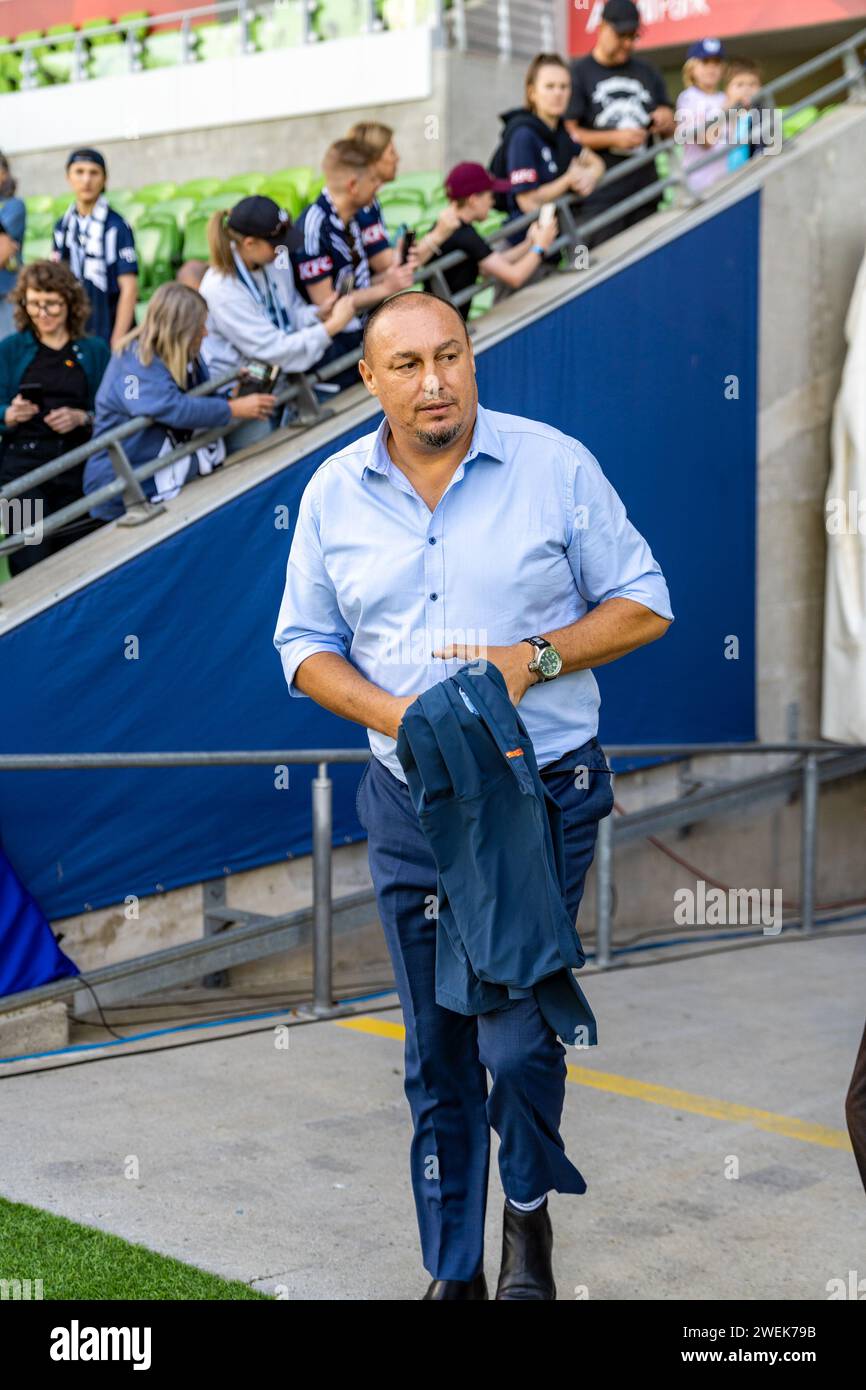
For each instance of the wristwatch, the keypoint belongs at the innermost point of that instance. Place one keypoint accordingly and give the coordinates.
(547, 662)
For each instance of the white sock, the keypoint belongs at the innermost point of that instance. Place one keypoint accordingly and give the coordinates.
(527, 1206)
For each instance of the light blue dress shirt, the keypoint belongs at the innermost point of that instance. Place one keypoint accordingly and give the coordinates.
(527, 534)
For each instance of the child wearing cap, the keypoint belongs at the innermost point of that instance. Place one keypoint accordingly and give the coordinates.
(698, 108)
(470, 189)
(99, 247)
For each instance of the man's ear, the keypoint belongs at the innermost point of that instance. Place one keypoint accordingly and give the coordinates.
(368, 377)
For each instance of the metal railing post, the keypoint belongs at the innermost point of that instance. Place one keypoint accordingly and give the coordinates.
(809, 842)
(853, 68)
(133, 493)
(604, 889)
(323, 810)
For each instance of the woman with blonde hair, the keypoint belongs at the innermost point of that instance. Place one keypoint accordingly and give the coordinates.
(152, 373)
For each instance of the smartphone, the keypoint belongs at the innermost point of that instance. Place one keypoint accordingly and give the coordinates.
(547, 214)
(258, 376)
(345, 281)
(408, 243)
(32, 391)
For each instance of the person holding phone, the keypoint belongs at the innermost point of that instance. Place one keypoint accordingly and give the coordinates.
(471, 190)
(255, 310)
(49, 375)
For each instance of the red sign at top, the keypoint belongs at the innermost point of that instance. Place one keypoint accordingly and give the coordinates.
(668, 22)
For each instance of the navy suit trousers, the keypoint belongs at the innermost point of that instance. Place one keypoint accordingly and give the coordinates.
(448, 1055)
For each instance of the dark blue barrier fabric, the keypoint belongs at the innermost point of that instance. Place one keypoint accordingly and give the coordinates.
(29, 955)
(636, 369)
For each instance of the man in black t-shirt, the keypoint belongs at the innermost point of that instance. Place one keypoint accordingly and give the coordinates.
(618, 105)
(470, 189)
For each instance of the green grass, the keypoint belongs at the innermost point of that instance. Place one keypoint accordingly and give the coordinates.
(79, 1262)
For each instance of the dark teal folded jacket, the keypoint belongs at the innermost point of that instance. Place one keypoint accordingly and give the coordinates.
(495, 832)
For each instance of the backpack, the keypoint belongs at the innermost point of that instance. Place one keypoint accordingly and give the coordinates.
(498, 163)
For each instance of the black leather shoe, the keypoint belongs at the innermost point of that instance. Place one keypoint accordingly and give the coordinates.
(527, 1246)
(458, 1288)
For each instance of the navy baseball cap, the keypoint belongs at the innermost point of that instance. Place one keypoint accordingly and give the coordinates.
(707, 48)
(623, 15)
(262, 217)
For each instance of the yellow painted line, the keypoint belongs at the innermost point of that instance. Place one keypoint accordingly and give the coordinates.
(786, 1125)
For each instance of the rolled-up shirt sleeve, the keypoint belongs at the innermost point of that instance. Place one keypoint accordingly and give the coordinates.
(609, 557)
(309, 620)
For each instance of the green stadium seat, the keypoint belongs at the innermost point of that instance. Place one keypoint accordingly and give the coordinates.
(299, 176)
(173, 236)
(282, 28)
(39, 202)
(155, 192)
(482, 303)
(36, 248)
(793, 125)
(59, 60)
(287, 197)
(491, 224)
(133, 212)
(427, 184)
(40, 78)
(243, 185)
(343, 19)
(61, 203)
(195, 244)
(398, 213)
(165, 49)
(40, 224)
(218, 200)
(179, 208)
(198, 188)
(155, 245)
(219, 40)
(398, 193)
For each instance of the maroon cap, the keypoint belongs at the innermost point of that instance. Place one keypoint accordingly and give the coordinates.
(466, 179)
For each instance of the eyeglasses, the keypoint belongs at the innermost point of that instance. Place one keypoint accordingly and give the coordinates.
(49, 307)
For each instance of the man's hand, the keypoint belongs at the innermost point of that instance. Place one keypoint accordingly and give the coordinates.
(400, 705)
(662, 121)
(512, 661)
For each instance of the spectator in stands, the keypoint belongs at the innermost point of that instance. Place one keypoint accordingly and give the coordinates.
(255, 310)
(371, 219)
(333, 248)
(537, 154)
(49, 376)
(99, 247)
(619, 104)
(13, 218)
(470, 189)
(153, 370)
(698, 106)
(743, 129)
(192, 273)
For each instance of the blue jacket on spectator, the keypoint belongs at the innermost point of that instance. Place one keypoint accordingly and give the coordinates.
(129, 389)
(503, 929)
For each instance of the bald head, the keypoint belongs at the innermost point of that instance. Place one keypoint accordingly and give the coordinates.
(407, 302)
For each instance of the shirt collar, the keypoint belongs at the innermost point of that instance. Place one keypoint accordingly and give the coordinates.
(485, 443)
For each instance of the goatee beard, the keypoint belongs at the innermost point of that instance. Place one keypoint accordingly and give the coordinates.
(441, 438)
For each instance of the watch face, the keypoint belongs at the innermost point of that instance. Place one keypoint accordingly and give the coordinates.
(549, 662)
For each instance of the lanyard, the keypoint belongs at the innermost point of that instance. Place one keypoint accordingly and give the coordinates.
(273, 305)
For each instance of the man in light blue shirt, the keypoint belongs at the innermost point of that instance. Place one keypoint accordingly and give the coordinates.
(455, 532)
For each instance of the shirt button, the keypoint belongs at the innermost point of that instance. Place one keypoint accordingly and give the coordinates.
(434, 596)
(432, 540)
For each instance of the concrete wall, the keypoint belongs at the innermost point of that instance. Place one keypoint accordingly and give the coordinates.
(812, 243)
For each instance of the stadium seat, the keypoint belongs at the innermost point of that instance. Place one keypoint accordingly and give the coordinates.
(165, 49)
(219, 40)
(59, 60)
(179, 208)
(398, 213)
(399, 193)
(155, 245)
(342, 19)
(155, 192)
(36, 248)
(481, 304)
(283, 27)
(195, 246)
(40, 224)
(243, 185)
(792, 125)
(198, 188)
(39, 202)
(300, 177)
(286, 196)
(39, 78)
(61, 203)
(427, 185)
(172, 234)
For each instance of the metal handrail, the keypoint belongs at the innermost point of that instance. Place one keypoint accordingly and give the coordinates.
(322, 814)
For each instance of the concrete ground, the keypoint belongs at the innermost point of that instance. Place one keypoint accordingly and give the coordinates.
(288, 1167)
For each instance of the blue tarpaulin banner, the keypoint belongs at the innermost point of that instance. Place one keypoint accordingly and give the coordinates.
(655, 370)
